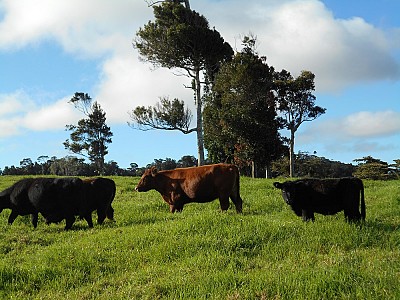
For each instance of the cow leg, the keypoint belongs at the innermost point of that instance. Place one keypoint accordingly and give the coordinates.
(34, 219)
(101, 215)
(307, 215)
(88, 218)
(238, 202)
(69, 221)
(224, 203)
(12, 217)
(110, 213)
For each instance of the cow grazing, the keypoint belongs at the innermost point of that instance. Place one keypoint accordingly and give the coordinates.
(58, 199)
(99, 194)
(16, 198)
(325, 196)
(195, 184)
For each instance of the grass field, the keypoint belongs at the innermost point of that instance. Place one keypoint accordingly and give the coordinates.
(148, 253)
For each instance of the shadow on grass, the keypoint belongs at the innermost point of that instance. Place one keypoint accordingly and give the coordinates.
(381, 226)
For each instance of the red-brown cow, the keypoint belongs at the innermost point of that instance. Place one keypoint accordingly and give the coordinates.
(196, 184)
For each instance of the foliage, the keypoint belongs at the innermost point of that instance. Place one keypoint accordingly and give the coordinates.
(180, 38)
(148, 253)
(372, 168)
(90, 137)
(169, 164)
(296, 103)
(167, 115)
(312, 166)
(240, 120)
(73, 166)
(395, 168)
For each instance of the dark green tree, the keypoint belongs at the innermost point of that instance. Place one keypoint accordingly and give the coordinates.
(187, 161)
(240, 120)
(396, 168)
(373, 168)
(90, 137)
(308, 165)
(180, 38)
(296, 103)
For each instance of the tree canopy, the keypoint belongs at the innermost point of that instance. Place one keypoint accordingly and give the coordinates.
(90, 137)
(240, 117)
(166, 114)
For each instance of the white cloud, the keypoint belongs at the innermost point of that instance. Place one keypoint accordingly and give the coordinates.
(361, 125)
(373, 124)
(304, 35)
(126, 84)
(19, 113)
(54, 116)
(90, 27)
(13, 103)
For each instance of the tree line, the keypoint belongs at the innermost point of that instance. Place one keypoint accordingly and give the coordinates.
(74, 166)
(308, 165)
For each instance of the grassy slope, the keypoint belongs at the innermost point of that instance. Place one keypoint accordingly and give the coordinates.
(265, 253)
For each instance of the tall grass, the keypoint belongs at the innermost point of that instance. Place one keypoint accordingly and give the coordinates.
(265, 253)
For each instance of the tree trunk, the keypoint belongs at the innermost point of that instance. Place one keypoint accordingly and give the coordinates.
(291, 154)
(187, 5)
(268, 171)
(200, 137)
(253, 169)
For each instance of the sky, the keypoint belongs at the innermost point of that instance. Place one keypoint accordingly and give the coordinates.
(51, 49)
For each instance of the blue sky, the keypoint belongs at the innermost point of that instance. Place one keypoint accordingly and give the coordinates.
(51, 49)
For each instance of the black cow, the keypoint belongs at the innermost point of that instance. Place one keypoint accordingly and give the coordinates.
(58, 199)
(324, 196)
(99, 194)
(16, 198)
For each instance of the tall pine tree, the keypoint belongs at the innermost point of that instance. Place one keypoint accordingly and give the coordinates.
(90, 137)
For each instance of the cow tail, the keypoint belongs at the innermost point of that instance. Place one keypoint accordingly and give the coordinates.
(109, 209)
(362, 201)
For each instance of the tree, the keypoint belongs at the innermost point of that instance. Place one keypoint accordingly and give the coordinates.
(396, 168)
(44, 163)
(312, 166)
(372, 168)
(187, 161)
(296, 103)
(90, 137)
(151, 3)
(27, 166)
(240, 119)
(68, 166)
(180, 38)
(167, 115)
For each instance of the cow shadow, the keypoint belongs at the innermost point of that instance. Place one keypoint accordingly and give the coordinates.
(381, 226)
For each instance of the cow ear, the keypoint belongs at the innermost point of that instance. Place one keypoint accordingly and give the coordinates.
(278, 185)
(153, 171)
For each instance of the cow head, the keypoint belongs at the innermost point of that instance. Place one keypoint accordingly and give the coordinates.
(146, 183)
(288, 191)
(5, 201)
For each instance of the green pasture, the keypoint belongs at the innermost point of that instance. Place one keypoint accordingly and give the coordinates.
(148, 253)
